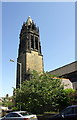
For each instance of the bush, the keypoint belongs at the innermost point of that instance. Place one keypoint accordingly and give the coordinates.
(41, 94)
(71, 96)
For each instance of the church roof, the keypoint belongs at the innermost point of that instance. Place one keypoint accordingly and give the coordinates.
(68, 71)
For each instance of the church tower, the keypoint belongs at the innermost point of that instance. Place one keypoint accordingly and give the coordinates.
(29, 53)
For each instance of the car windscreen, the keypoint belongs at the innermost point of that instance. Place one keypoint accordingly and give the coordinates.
(68, 111)
(25, 113)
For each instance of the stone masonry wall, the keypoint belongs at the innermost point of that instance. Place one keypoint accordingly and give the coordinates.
(34, 61)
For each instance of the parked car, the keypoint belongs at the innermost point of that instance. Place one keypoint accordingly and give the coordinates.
(20, 115)
(69, 113)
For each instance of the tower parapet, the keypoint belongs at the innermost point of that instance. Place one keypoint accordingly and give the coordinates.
(29, 37)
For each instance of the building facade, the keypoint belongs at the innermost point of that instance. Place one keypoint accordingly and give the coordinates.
(29, 53)
(69, 72)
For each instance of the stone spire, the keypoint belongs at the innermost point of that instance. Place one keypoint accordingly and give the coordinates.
(29, 21)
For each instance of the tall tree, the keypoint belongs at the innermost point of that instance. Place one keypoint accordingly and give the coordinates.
(40, 94)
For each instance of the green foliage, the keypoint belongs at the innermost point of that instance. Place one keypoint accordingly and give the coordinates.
(7, 102)
(71, 96)
(69, 91)
(40, 94)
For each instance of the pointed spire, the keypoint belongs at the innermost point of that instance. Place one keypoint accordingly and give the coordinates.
(29, 20)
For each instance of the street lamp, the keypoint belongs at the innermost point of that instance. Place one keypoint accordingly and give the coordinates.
(20, 74)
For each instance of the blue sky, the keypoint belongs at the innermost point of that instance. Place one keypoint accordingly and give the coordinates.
(56, 21)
